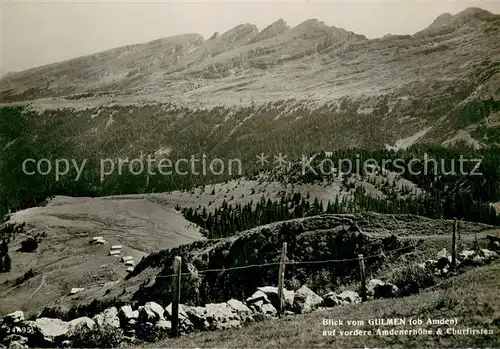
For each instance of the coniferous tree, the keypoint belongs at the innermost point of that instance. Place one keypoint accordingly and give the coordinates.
(7, 262)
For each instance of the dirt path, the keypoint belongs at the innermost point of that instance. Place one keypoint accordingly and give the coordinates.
(42, 282)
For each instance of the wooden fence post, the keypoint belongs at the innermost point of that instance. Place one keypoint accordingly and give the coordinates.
(362, 277)
(281, 279)
(176, 296)
(454, 246)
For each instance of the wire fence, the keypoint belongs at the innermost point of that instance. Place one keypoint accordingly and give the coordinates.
(382, 254)
(177, 276)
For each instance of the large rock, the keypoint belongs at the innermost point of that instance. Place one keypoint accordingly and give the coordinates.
(126, 313)
(488, 255)
(371, 285)
(14, 318)
(18, 345)
(386, 291)
(198, 316)
(272, 294)
(81, 322)
(443, 259)
(182, 312)
(14, 338)
(221, 312)
(185, 324)
(333, 299)
(494, 245)
(51, 329)
(151, 312)
(163, 325)
(480, 257)
(305, 300)
(378, 289)
(465, 254)
(213, 316)
(269, 310)
(239, 307)
(431, 263)
(256, 297)
(108, 317)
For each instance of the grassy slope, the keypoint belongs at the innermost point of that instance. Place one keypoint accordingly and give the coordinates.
(65, 259)
(471, 297)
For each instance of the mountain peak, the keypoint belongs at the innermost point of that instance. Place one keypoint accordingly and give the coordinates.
(474, 12)
(311, 23)
(272, 30)
(446, 21)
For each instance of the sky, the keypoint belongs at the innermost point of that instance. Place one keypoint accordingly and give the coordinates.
(39, 32)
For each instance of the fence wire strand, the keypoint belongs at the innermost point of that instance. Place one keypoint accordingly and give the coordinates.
(383, 254)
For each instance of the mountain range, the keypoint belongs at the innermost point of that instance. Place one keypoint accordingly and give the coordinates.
(438, 85)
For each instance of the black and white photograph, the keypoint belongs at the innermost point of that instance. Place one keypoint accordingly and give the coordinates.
(249, 174)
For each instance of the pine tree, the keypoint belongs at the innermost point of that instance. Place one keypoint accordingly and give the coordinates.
(7, 263)
(4, 248)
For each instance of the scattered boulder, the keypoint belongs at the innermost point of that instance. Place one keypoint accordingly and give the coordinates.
(465, 255)
(431, 263)
(409, 289)
(51, 329)
(182, 312)
(257, 300)
(239, 307)
(333, 299)
(163, 325)
(443, 259)
(109, 317)
(494, 245)
(256, 297)
(17, 345)
(84, 321)
(214, 316)
(14, 318)
(370, 287)
(75, 290)
(15, 341)
(478, 258)
(126, 313)
(151, 312)
(272, 294)
(488, 255)
(386, 291)
(305, 300)
(66, 344)
(378, 289)
(198, 316)
(221, 312)
(269, 309)
(493, 242)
